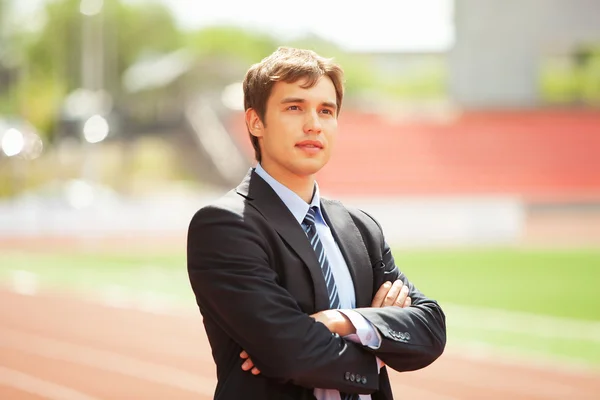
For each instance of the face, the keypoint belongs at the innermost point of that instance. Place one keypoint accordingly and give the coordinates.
(299, 128)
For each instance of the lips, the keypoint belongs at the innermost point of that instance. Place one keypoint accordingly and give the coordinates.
(310, 144)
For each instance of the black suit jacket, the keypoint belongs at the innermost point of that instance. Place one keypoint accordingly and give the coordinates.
(257, 279)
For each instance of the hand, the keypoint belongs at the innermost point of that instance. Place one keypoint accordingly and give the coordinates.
(389, 294)
(248, 365)
(335, 321)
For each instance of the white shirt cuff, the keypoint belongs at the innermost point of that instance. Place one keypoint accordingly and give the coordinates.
(366, 334)
(380, 364)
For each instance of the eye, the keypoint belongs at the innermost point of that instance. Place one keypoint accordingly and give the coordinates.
(293, 108)
(327, 111)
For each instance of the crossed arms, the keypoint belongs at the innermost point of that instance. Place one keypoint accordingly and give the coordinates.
(235, 287)
(389, 295)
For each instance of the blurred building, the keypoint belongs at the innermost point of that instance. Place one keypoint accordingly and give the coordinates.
(501, 45)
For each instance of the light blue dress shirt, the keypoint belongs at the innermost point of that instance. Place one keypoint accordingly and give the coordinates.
(366, 334)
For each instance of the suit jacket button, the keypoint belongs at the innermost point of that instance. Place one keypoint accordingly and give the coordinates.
(357, 378)
(364, 380)
(352, 378)
(347, 376)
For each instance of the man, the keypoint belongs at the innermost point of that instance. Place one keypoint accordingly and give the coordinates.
(300, 296)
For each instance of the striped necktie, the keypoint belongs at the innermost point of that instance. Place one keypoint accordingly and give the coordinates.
(334, 297)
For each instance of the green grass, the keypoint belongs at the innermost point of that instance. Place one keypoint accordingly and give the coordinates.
(562, 283)
(554, 282)
(160, 273)
(582, 351)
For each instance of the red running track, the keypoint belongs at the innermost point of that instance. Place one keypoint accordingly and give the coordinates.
(61, 347)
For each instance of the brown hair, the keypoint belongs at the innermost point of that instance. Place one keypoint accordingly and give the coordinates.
(287, 65)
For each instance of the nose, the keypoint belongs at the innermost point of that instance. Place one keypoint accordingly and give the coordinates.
(312, 123)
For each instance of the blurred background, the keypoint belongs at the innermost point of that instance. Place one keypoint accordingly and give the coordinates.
(470, 129)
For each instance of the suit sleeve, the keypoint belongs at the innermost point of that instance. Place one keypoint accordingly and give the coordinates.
(234, 285)
(412, 337)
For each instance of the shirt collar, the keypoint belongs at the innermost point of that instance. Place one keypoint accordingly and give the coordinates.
(292, 201)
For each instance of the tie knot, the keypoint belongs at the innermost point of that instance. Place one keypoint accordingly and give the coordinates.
(311, 217)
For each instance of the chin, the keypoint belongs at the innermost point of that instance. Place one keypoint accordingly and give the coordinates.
(308, 167)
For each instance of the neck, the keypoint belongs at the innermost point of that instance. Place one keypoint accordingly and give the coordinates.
(303, 186)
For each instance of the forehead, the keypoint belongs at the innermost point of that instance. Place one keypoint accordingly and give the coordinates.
(322, 91)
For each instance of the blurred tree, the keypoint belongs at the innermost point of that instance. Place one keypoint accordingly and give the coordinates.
(142, 30)
(8, 60)
(572, 78)
(244, 46)
(52, 65)
(358, 72)
(588, 68)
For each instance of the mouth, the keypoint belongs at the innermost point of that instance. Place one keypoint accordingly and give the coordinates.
(310, 144)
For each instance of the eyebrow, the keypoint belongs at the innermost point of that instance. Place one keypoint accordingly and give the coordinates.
(301, 100)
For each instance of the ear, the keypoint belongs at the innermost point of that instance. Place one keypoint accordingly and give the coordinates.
(253, 123)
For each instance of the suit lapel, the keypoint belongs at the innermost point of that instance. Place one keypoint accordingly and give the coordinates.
(351, 244)
(265, 200)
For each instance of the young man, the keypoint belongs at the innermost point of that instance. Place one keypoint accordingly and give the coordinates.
(300, 296)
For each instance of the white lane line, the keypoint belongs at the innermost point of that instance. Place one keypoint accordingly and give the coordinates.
(542, 326)
(24, 282)
(106, 360)
(39, 387)
(117, 296)
(520, 357)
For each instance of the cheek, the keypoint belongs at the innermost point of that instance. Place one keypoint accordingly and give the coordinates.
(278, 142)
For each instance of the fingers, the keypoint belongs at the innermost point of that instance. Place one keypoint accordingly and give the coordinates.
(402, 296)
(248, 364)
(393, 293)
(380, 295)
